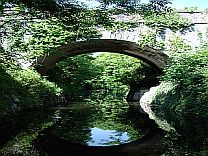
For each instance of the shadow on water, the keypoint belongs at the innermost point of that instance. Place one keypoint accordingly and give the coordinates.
(73, 131)
(190, 136)
(145, 146)
(67, 131)
(10, 128)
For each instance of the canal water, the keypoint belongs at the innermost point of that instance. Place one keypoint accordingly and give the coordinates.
(103, 128)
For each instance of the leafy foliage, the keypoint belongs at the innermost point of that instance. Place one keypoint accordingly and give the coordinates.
(121, 3)
(47, 25)
(189, 68)
(118, 74)
(38, 87)
(188, 73)
(159, 16)
(48, 35)
(61, 22)
(26, 85)
(41, 36)
(73, 73)
(190, 9)
(178, 46)
(162, 21)
(53, 8)
(107, 74)
(150, 39)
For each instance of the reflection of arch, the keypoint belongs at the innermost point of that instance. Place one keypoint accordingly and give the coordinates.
(147, 145)
(150, 56)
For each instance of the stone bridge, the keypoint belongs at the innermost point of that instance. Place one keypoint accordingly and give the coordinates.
(125, 42)
(152, 57)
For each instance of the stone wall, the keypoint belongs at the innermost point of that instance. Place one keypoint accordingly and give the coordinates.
(191, 36)
(145, 103)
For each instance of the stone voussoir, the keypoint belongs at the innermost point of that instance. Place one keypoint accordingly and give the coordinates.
(151, 56)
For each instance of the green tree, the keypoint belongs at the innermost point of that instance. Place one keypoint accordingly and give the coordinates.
(188, 76)
(73, 75)
(158, 15)
(118, 73)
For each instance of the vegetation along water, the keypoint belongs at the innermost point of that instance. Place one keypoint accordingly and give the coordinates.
(89, 104)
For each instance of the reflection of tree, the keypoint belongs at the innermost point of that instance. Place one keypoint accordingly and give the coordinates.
(114, 115)
(193, 136)
(76, 123)
(117, 115)
(190, 137)
(73, 74)
(27, 127)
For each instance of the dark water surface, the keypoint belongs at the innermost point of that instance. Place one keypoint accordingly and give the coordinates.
(100, 129)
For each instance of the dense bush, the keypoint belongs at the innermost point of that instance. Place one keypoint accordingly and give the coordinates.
(188, 74)
(109, 73)
(25, 85)
(119, 73)
(158, 15)
(39, 88)
(73, 74)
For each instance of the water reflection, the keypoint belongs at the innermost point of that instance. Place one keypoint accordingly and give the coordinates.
(190, 137)
(101, 137)
(98, 124)
(99, 128)
(103, 129)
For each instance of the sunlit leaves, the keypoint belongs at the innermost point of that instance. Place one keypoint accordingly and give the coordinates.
(162, 21)
(158, 15)
(117, 72)
(150, 39)
(189, 74)
(74, 74)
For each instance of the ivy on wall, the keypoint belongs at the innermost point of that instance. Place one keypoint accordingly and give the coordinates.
(171, 20)
(158, 15)
(150, 39)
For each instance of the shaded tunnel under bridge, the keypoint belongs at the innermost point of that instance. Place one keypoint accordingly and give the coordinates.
(154, 58)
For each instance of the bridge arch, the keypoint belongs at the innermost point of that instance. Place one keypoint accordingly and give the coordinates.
(151, 56)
